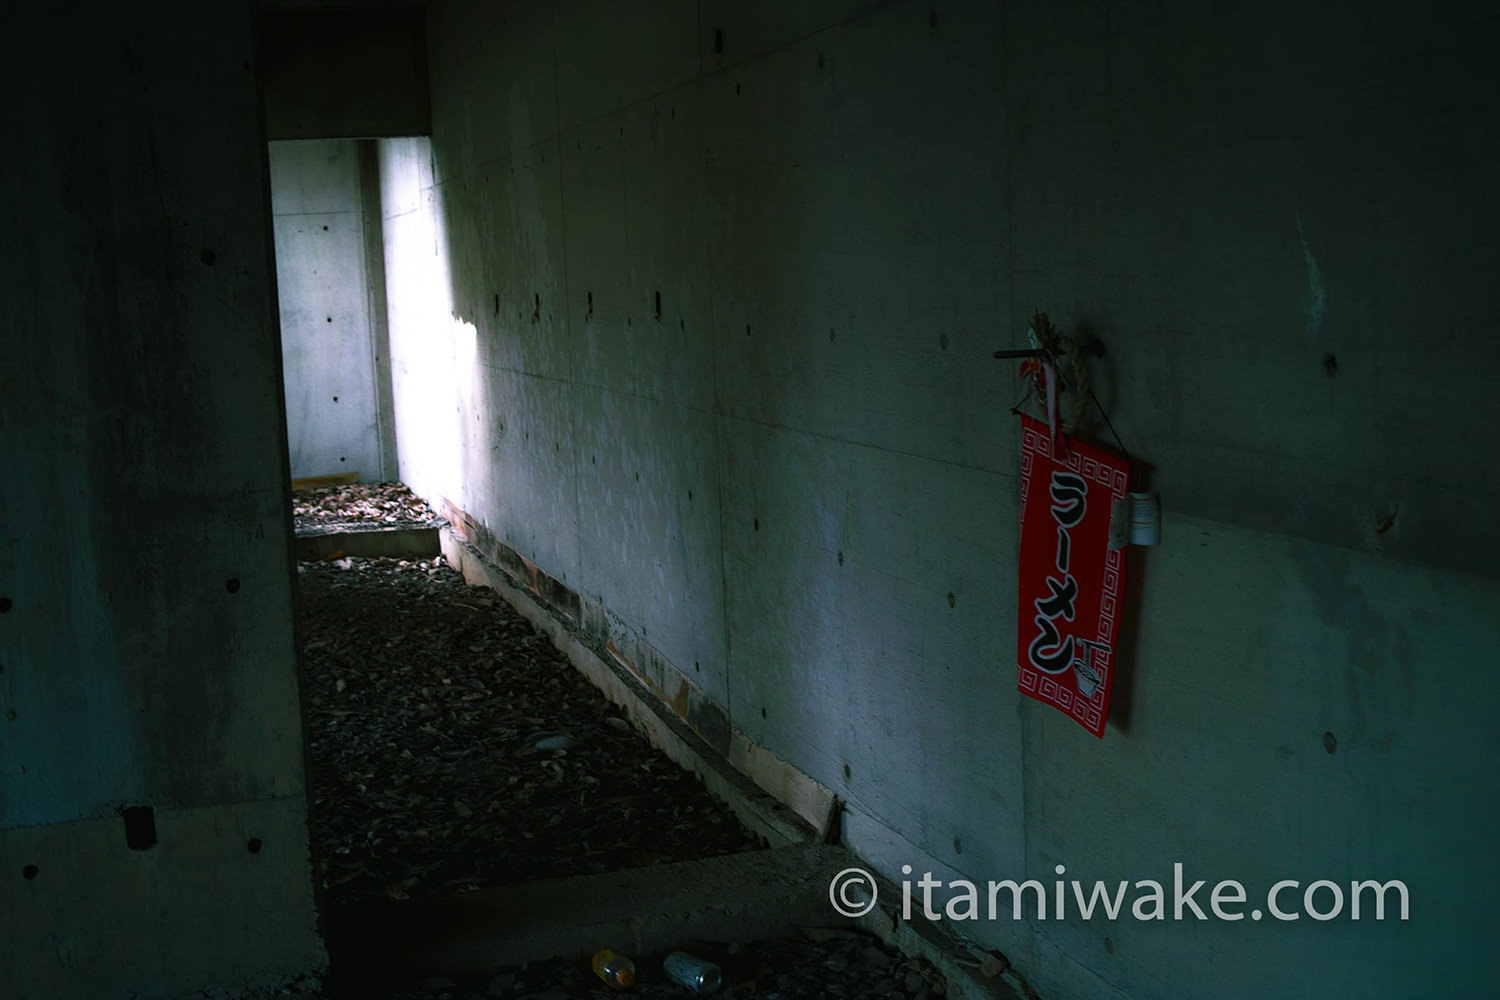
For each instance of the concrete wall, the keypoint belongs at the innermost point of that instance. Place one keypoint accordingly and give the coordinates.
(332, 318)
(146, 648)
(343, 70)
(794, 483)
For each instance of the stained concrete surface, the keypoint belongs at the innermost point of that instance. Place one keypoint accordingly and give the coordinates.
(640, 910)
(146, 649)
(329, 344)
(343, 71)
(795, 480)
(1276, 219)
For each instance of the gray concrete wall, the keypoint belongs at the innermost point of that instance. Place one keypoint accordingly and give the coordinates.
(329, 313)
(795, 483)
(146, 648)
(343, 70)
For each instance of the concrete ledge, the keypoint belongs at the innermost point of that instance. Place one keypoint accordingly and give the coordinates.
(973, 973)
(710, 910)
(736, 897)
(669, 690)
(766, 816)
(397, 543)
(198, 909)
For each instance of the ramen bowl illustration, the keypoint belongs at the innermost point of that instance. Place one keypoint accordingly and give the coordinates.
(1088, 678)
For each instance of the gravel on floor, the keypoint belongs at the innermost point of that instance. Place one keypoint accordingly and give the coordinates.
(453, 747)
(814, 963)
(369, 505)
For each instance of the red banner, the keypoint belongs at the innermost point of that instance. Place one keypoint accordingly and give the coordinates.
(1071, 581)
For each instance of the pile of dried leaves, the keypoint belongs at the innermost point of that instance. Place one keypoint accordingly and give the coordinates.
(818, 963)
(367, 504)
(452, 746)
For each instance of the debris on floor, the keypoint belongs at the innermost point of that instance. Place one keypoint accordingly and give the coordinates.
(360, 504)
(815, 963)
(453, 747)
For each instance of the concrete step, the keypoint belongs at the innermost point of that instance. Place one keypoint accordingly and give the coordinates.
(737, 897)
(398, 543)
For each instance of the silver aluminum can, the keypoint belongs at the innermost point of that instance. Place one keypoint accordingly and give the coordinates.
(697, 974)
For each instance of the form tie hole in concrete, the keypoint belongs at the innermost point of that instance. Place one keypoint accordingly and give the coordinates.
(232, 585)
(325, 229)
(736, 90)
(719, 44)
(952, 600)
(1330, 742)
(841, 559)
(696, 667)
(328, 319)
(140, 827)
(690, 496)
(208, 257)
(637, 477)
(756, 523)
(847, 772)
(253, 845)
(5, 605)
(335, 399)
(763, 712)
(497, 304)
(341, 458)
(658, 306)
(942, 341)
(29, 872)
(591, 305)
(1109, 945)
(1330, 365)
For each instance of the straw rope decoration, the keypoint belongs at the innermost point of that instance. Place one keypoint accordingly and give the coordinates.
(1055, 343)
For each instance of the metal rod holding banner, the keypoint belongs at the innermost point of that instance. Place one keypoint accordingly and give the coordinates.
(1095, 349)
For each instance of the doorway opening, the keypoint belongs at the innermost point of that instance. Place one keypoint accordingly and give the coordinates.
(453, 750)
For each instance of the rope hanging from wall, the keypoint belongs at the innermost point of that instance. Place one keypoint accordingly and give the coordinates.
(1043, 372)
(1054, 346)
